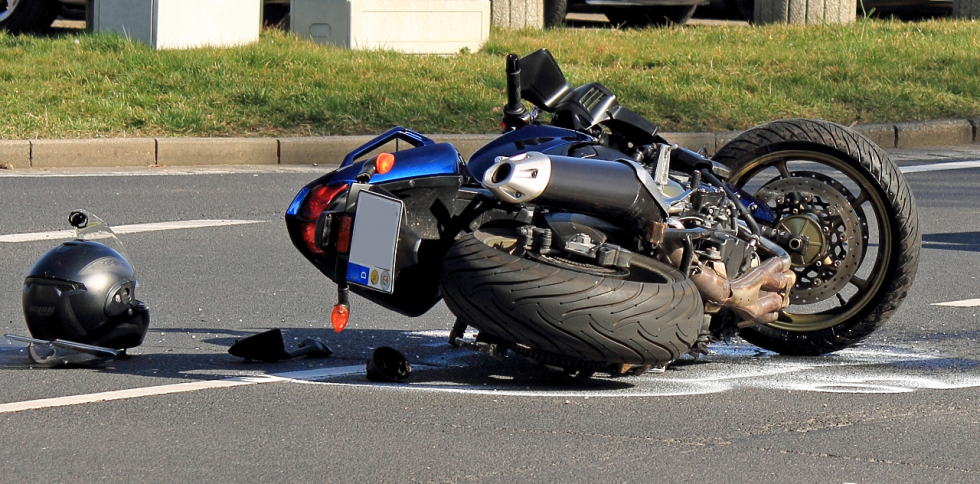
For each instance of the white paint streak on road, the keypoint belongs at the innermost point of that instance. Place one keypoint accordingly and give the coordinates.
(952, 165)
(162, 171)
(966, 303)
(307, 375)
(128, 229)
(131, 393)
(860, 370)
(872, 371)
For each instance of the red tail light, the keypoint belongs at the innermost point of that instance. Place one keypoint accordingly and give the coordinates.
(343, 235)
(318, 201)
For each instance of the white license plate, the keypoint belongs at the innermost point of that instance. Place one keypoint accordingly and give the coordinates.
(372, 253)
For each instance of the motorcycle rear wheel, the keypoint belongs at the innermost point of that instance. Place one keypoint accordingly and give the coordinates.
(875, 251)
(568, 316)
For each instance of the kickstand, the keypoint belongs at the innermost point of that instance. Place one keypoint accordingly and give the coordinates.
(457, 332)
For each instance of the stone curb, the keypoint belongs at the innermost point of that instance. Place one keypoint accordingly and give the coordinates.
(330, 150)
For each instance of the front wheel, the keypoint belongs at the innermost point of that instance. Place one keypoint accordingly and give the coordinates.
(855, 209)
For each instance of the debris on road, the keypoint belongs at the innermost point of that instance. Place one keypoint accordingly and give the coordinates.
(269, 347)
(387, 364)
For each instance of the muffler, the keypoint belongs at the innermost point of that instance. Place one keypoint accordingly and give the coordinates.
(620, 189)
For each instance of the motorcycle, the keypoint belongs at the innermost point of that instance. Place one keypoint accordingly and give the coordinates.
(589, 243)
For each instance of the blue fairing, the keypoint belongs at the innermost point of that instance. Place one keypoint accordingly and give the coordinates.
(429, 160)
(546, 139)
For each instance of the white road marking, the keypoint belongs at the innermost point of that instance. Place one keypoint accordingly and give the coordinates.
(966, 303)
(305, 376)
(863, 370)
(953, 165)
(874, 370)
(165, 171)
(128, 229)
(860, 370)
(802, 378)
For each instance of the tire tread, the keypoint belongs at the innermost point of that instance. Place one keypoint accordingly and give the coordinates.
(568, 313)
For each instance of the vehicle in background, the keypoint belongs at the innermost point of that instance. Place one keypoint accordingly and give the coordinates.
(641, 13)
(901, 9)
(630, 13)
(37, 15)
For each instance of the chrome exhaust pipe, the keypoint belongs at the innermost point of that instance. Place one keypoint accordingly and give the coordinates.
(518, 179)
(618, 189)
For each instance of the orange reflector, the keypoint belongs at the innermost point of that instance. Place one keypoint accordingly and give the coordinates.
(384, 163)
(339, 317)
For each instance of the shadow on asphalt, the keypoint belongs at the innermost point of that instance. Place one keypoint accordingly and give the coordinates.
(966, 241)
(438, 366)
(431, 356)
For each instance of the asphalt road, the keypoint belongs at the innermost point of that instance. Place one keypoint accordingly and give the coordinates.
(899, 408)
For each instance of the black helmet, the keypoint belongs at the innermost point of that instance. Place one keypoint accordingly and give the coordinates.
(83, 291)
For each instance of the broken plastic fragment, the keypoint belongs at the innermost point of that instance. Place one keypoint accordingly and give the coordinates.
(269, 347)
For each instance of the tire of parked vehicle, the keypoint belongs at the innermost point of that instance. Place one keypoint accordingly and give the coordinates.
(822, 177)
(571, 314)
(650, 16)
(28, 15)
(275, 15)
(555, 12)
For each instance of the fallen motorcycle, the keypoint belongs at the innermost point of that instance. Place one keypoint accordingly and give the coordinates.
(589, 243)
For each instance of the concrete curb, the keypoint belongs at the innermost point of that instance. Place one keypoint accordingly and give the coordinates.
(330, 150)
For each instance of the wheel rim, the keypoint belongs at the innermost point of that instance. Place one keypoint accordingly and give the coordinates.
(865, 281)
(7, 7)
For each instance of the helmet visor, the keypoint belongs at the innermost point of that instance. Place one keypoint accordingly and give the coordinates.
(22, 352)
(89, 226)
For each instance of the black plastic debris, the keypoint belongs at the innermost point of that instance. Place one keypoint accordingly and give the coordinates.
(269, 347)
(387, 364)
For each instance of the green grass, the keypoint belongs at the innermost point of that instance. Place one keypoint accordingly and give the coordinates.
(694, 78)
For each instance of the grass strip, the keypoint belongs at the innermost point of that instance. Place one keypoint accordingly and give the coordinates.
(705, 78)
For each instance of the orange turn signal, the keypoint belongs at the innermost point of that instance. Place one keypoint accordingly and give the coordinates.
(339, 317)
(384, 162)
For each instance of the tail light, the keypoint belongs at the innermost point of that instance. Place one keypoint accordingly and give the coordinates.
(317, 201)
(343, 235)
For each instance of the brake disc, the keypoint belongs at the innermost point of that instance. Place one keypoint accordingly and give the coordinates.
(818, 207)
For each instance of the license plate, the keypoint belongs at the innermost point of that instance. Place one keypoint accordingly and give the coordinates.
(372, 254)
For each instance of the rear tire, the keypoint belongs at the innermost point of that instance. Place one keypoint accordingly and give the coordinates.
(275, 16)
(650, 317)
(555, 12)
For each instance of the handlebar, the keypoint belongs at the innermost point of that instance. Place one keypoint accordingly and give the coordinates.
(514, 105)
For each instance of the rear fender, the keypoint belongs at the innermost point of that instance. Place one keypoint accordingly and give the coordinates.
(427, 178)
